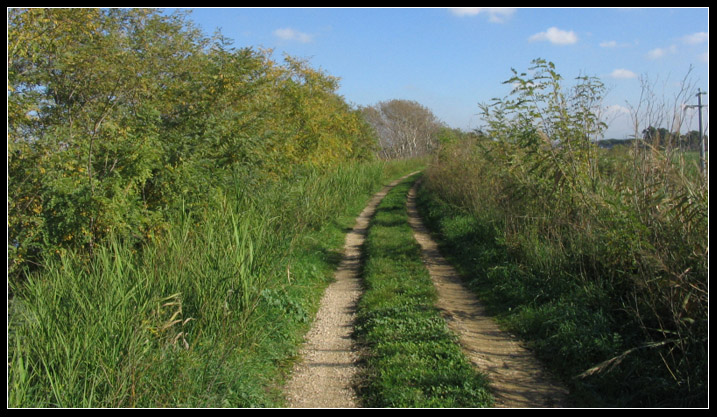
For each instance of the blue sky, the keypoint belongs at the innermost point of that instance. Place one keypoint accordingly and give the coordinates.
(450, 60)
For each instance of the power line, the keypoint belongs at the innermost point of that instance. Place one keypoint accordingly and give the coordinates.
(702, 140)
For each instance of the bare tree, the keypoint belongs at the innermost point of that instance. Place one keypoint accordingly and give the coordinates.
(405, 128)
(657, 112)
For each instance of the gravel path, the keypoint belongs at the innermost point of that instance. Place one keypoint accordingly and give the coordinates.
(325, 375)
(517, 380)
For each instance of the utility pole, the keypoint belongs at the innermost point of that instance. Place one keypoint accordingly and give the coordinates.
(702, 140)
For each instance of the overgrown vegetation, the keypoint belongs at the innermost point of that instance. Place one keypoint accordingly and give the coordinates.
(119, 117)
(598, 257)
(411, 357)
(175, 208)
(206, 315)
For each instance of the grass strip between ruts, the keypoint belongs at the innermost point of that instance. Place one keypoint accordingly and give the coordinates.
(411, 357)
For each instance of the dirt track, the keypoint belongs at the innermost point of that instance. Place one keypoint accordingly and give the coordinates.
(518, 381)
(324, 377)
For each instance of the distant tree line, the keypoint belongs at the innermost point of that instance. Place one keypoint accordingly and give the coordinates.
(405, 128)
(662, 138)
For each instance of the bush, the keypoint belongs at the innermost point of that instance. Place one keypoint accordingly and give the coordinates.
(119, 118)
(594, 255)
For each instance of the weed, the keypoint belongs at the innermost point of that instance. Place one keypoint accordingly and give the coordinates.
(208, 314)
(590, 285)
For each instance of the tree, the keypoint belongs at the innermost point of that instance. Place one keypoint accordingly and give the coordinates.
(551, 129)
(86, 91)
(405, 128)
(691, 141)
(117, 117)
(659, 137)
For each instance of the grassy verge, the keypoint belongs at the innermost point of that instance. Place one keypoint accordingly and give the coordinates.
(571, 324)
(210, 314)
(412, 359)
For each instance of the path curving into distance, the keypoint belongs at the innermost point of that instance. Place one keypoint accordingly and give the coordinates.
(324, 377)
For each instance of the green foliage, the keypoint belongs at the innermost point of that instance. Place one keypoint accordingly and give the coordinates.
(207, 314)
(118, 117)
(165, 190)
(598, 257)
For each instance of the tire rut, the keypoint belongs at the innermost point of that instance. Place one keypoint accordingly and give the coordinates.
(517, 379)
(324, 377)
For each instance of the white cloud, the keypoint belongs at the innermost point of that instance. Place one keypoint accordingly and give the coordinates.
(696, 38)
(289, 34)
(614, 44)
(623, 74)
(465, 11)
(615, 110)
(495, 14)
(658, 53)
(556, 36)
(500, 14)
(619, 121)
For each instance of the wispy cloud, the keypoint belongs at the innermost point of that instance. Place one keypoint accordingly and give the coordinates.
(608, 44)
(622, 73)
(289, 34)
(465, 11)
(696, 38)
(618, 120)
(495, 14)
(555, 36)
(614, 44)
(658, 53)
(616, 109)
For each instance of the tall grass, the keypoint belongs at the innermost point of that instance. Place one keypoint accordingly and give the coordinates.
(606, 277)
(206, 314)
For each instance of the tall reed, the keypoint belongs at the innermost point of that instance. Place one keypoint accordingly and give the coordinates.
(626, 251)
(186, 319)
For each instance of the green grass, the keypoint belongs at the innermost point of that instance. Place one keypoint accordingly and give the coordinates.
(411, 358)
(210, 314)
(598, 259)
(572, 324)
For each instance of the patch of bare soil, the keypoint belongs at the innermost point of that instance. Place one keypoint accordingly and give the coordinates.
(517, 379)
(324, 377)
